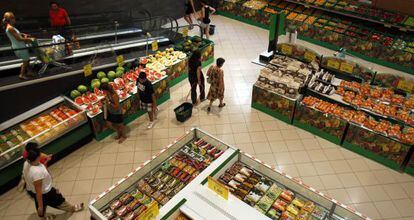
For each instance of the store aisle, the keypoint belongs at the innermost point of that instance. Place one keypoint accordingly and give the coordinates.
(365, 185)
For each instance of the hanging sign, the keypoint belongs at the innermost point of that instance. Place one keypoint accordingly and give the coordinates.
(154, 45)
(120, 60)
(406, 85)
(333, 64)
(347, 68)
(286, 49)
(87, 70)
(218, 187)
(309, 56)
(185, 32)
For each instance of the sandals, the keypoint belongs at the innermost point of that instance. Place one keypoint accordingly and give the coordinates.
(78, 207)
(222, 105)
(24, 77)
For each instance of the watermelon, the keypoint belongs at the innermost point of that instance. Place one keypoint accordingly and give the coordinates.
(101, 75)
(97, 91)
(96, 84)
(111, 75)
(105, 80)
(79, 100)
(120, 69)
(82, 89)
(119, 74)
(95, 80)
(74, 94)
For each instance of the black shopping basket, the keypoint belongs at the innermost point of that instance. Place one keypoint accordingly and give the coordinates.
(183, 111)
(212, 29)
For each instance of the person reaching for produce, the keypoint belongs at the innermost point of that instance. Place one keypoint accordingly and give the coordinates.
(19, 43)
(39, 186)
(204, 17)
(147, 98)
(113, 112)
(196, 77)
(215, 77)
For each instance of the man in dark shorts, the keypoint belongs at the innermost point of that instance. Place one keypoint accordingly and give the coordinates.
(146, 96)
(189, 10)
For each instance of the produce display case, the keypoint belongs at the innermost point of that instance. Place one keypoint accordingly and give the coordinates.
(177, 72)
(376, 146)
(402, 83)
(274, 104)
(299, 52)
(130, 108)
(205, 46)
(348, 67)
(50, 125)
(165, 179)
(327, 126)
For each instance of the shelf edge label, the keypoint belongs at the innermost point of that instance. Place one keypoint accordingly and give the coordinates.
(151, 213)
(218, 188)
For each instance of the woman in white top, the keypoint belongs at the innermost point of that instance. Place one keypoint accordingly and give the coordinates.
(39, 186)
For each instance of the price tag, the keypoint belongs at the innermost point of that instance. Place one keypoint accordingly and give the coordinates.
(347, 68)
(151, 213)
(154, 45)
(87, 70)
(218, 187)
(185, 32)
(406, 85)
(286, 49)
(333, 64)
(387, 25)
(120, 60)
(309, 56)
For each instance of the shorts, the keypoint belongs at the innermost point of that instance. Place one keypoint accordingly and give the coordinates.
(146, 106)
(22, 54)
(52, 199)
(115, 118)
(204, 25)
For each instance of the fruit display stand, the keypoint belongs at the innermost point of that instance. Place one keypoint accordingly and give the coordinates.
(274, 104)
(402, 83)
(327, 126)
(299, 52)
(319, 27)
(130, 108)
(151, 179)
(348, 68)
(376, 146)
(55, 125)
(410, 166)
(177, 72)
(131, 196)
(205, 46)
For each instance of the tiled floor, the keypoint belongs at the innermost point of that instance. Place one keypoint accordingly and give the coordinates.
(361, 183)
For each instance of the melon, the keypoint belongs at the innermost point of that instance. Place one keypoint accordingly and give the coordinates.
(79, 100)
(120, 68)
(101, 75)
(104, 80)
(82, 89)
(111, 75)
(96, 84)
(118, 74)
(74, 94)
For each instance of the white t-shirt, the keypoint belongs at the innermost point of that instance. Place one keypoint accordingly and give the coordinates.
(35, 173)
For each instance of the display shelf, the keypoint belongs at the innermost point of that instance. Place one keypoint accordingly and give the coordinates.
(158, 162)
(299, 52)
(376, 146)
(348, 67)
(41, 125)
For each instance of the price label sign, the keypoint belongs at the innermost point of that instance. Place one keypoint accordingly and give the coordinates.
(120, 60)
(154, 45)
(185, 32)
(87, 70)
(406, 85)
(309, 56)
(151, 213)
(286, 49)
(219, 188)
(347, 68)
(333, 64)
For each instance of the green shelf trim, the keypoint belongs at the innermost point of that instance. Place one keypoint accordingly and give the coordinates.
(244, 20)
(131, 118)
(235, 153)
(271, 112)
(371, 155)
(207, 62)
(14, 170)
(317, 132)
(177, 80)
(409, 170)
(169, 213)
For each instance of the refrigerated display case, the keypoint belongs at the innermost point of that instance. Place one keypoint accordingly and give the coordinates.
(197, 201)
(44, 125)
(384, 149)
(165, 179)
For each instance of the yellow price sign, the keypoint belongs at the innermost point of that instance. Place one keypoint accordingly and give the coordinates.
(218, 187)
(333, 64)
(406, 85)
(87, 70)
(120, 60)
(151, 213)
(154, 45)
(185, 32)
(286, 49)
(309, 56)
(347, 68)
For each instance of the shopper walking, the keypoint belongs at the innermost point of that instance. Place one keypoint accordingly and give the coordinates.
(113, 112)
(196, 77)
(215, 76)
(189, 10)
(39, 187)
(204, 17)
(19, 43)
(147, 98)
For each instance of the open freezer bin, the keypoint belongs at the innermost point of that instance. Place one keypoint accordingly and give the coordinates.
(165, 179)
(259, 191)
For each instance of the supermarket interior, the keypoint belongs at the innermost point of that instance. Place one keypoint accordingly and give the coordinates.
(318, 121)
